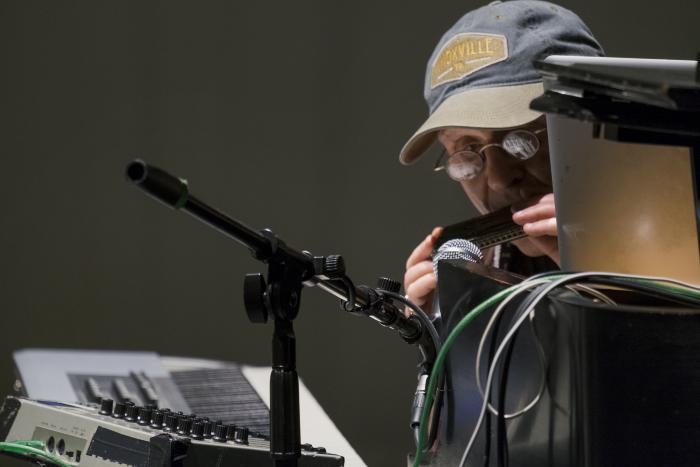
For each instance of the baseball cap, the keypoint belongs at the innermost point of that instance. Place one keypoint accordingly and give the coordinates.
(481, 73)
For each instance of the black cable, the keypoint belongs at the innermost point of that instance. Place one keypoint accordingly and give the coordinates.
(437, 343)
(426, 325)
(420, 314)
(350, 288)
(487, 441)
(492, 351)
(487, 420)
(501, 434)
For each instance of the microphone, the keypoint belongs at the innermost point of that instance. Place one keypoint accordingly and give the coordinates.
(457, 248)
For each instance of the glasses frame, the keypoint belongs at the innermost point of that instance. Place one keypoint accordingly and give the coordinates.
(440, 165)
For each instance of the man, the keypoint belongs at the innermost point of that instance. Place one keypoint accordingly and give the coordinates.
(478, 85)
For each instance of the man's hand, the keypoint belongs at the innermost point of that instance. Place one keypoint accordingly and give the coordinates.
(538, 218)
(419, 281)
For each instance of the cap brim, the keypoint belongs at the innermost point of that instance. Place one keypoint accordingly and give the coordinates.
(493, 107)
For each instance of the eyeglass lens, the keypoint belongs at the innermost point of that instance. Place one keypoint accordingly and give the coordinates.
(464, 165)
(521, 144)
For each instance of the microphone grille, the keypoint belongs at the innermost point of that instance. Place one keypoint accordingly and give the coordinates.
(457, 249)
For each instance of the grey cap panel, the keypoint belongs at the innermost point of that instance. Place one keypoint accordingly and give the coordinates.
(533, 30)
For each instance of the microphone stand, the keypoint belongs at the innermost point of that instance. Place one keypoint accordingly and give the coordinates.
(280, 297)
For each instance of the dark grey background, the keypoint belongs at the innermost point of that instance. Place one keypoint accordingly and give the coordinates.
(286, 115)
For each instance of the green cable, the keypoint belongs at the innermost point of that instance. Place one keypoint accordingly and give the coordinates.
(439, 361)
(31, 443)
(32, 448)
(671, 288)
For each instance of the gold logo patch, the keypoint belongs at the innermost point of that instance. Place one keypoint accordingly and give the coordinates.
(466, 53)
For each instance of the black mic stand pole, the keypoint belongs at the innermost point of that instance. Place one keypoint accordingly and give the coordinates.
(288, 271)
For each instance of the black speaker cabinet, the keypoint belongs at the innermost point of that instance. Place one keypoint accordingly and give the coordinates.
(619, 385)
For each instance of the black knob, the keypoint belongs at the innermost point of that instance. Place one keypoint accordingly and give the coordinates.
(119, 410)
(132, 412)
(144, 417)
(241, 435)
(106, 406)
(334, 266)
(171, 420)
(254, 297)
(230, 432)
(320, 450)
(307, 447)
(184, 426)
(157, 419)
(197, 430)
(214, 425)
(220, 433)
(207, 429)
(386, 283)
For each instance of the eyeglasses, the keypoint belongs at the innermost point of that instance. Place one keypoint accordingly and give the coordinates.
(467, 163)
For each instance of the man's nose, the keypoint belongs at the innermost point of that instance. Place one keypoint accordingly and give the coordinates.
(502, 169)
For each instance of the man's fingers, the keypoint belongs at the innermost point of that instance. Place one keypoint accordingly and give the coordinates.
(538, 218)
(422, 251)
(435, 234)
(545, 227)
(416, 271)
(534, 213)
(418, 290)
(419, 279)
(549, 197)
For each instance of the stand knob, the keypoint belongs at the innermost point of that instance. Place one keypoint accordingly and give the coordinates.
(254, 297)
(334, 266)
(391, 285)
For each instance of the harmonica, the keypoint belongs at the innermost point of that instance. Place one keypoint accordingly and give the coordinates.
(485, 231)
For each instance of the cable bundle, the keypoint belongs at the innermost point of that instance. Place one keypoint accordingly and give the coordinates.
(542, 286)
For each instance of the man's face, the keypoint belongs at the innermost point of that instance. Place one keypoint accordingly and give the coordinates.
(504, 180)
